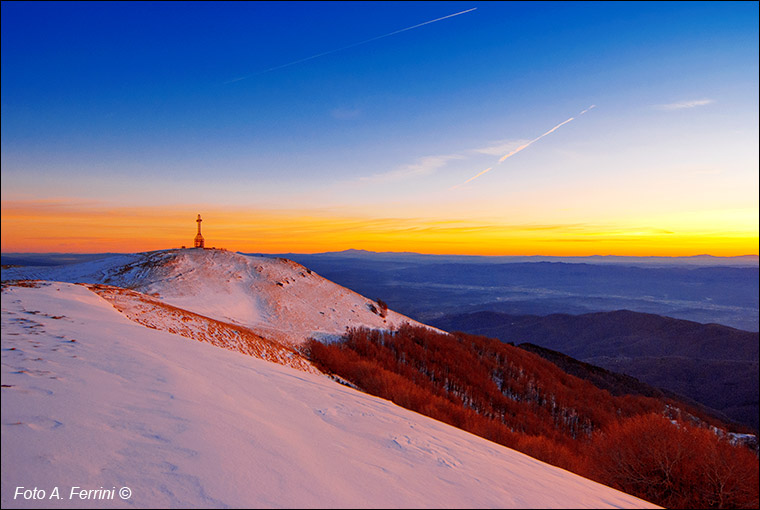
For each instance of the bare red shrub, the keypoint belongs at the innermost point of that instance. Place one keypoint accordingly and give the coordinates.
(674, 465)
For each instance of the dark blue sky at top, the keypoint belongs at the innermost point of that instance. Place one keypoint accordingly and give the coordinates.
(165, 57)
(153, 82)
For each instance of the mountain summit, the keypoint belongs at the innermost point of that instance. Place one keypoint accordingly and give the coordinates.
(274, 297)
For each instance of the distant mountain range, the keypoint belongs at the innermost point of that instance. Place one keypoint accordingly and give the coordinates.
(695, 260)
(46, 259)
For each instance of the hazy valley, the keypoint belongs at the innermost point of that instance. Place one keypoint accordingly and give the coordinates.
(701, 289)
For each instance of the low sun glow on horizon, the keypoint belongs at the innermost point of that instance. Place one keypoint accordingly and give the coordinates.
(27, 227)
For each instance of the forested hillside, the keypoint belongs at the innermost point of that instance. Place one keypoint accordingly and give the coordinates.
(518, 399)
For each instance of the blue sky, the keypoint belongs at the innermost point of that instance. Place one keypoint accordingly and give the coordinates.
(166, 104)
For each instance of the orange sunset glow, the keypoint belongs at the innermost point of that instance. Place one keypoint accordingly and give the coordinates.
(38, 227)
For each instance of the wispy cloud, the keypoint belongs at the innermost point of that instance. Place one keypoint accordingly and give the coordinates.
(501, 147)
(423, 166)
(430, 164)
(684, 104)
(522, 147)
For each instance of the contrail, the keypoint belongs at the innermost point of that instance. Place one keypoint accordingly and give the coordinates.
(523, 146)
(350, 46)
(475, 176)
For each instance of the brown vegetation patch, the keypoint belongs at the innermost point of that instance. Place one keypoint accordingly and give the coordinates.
(153, 313)
(518, 399)
(34, 284)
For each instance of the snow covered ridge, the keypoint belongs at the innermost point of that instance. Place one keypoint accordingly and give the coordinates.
(276, 298)
(92, 399)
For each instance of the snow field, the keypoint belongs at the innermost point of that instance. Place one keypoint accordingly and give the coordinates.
(92, 399)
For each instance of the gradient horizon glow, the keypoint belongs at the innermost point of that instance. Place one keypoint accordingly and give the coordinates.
(388, 126)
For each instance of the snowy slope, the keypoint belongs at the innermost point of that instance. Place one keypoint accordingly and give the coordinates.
(276, 298)
(92, 399)
(151, 312)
